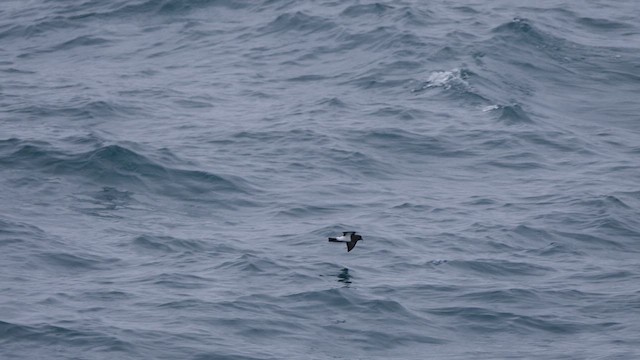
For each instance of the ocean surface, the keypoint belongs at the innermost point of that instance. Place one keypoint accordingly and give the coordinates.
(170, 171)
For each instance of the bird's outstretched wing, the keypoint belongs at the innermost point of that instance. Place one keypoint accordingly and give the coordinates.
(351, 245)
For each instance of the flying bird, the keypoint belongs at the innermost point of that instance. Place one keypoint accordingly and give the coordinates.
(348, 237)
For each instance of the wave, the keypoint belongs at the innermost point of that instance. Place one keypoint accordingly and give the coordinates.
(399, 141)
(17, 236)
(75, 262)
(504, 268)
(298, 22)
(126, 9)
(521, 30)
(454, 84)
(456, 78)
(167, 244)
(491, 321)
(376, 9)
(38, 27)
(74, 109)
(65, 337)
(115, 166)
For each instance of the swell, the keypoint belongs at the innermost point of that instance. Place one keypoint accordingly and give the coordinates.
(297, 22)
(402, 142)
(66, 336)
(76, 109)
(516, 49)
(494, 321)
(119, 166)
(16, 236)
(604, 221)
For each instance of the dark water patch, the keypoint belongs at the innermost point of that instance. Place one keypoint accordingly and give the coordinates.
(38, 28)
(475, 317)
(386, 306)
(84, 141)
(592, 238)
(421, 208)
(491, 321)
(516, 164)
(554, 141)
(602, 24)
(107, 295)
(230, 356)
(107, 199)
(310, 300)
(399, 112)
(77, 109)
(13, 145)
(550, 323)
(606, 275)
(170, 7)
(308, 78)
(404, 142)
(19, 240)
(178, 281)
(522, 31)
(518, 48)
(418, 17)
(603, 220)
(557, 249)
(513, 115)
(15, 71)
(183, 304)
(444, 53)
(166, 244)
(359, 164)
(502, 268)
(466, 9)
(148, 8)
(398, 67)
(375, 82)
(76, 262)
(619, 227)
(49, 334)
(380, 340)
(603, 203)
(532, 233)
(193, 104)
(281, 136)
(305, 211)
(377, 9)
(67, 46)
(507, 296)
(80, 41)
(381, 38)
(479, 201)
(11, 228)
(252, 264)
(333, 102)
(299, 23)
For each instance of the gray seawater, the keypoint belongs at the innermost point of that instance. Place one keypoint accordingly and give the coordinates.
(170, 171)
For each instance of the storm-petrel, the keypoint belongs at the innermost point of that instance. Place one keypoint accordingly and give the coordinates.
(348, 237)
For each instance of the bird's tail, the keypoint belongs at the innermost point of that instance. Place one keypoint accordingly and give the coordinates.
(333, 240)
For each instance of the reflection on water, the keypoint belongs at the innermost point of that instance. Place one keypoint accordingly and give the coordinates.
(344, 277)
